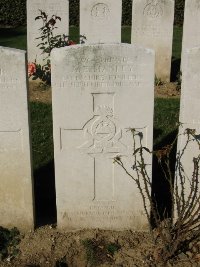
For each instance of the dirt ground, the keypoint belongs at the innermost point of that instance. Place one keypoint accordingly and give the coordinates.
(40, 93)
(46, 246)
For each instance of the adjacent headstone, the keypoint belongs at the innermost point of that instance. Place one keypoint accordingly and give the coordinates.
(50, 7)
(16, 185)
(190, 110)
(99, 92)
(152, 26)
(100, 21)
(191, 28)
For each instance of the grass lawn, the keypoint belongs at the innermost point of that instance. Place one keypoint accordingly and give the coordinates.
(166, 117)
(42, 134)
(15, 38)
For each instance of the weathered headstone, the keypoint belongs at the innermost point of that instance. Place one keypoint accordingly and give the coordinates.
(16, 188)
(50, 7)
(99, 92)
(190, 110)
(100, 21)
(191, 28)
(152, 27)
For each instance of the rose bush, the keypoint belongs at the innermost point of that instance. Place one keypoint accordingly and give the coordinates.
(48, 42)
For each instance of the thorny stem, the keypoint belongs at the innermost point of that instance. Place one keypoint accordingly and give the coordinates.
(184, 227)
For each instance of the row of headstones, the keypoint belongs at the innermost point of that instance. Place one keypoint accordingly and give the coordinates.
(100, 22)
(115, 83)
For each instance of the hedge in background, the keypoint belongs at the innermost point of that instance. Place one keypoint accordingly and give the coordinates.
(74, 12)
(13, 12)
(126, 12)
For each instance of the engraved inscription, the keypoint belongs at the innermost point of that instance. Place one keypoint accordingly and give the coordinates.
(151, 31)
(100, 212)
(100, 11)
(89, 72)
(2, 72)
(7, 79)
(153, 9)
(51, 6)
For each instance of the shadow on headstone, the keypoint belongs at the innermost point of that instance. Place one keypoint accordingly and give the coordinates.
(160, 186)
(45, 195)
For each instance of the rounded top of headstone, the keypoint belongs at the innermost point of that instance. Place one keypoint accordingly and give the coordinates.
(11, 50)
(58, 51)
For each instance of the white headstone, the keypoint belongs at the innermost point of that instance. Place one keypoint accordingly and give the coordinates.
(152, 27)
(50, 7)
(190, 109)
(99, 92)
(191, 28)
(100, 21)
(16, 185)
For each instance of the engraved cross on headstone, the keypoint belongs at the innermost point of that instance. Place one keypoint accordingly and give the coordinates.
(102, 141)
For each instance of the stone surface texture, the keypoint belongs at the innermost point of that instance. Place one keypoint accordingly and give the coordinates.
(50, 7)
(190, 109)
(100, 21)
(152, 27)
(16, 185)
(191, 27)
(99, 92)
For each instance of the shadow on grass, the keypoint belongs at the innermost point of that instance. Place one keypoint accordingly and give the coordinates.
(45, 195)
(175, 69)
(160, 187)
(8, 32)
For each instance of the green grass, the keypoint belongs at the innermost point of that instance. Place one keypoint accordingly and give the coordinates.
(177, 42)
(74, 34)
(42, 134)
(166, 118)
(126, 34)
(16, 38)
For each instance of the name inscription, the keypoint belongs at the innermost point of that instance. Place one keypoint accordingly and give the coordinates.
(100, 213)
(102, 72)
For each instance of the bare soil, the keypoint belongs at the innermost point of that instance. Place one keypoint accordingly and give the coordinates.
(167, 90)
(48, 247)
(38, 92)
